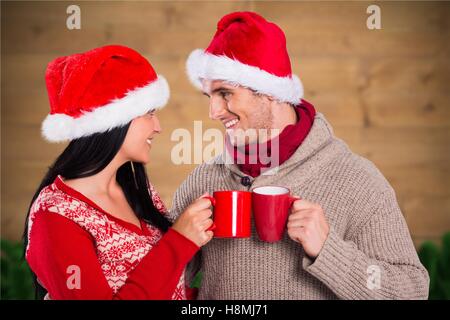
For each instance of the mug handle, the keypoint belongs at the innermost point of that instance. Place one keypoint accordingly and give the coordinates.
(213, 203)
(210, 198)
(292, 199)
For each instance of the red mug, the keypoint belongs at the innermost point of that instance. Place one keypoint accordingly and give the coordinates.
(232, 213)
(271, 206)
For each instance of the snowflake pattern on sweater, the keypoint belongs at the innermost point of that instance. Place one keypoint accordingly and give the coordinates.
(119, 249)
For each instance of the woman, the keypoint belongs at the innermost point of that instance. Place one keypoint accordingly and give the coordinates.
(96, 227)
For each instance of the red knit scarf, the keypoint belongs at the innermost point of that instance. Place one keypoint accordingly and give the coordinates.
(289, 140)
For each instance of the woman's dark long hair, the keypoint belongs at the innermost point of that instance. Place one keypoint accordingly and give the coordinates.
(87, 156)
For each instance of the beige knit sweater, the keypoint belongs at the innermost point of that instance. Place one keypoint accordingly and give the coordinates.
(368, 253)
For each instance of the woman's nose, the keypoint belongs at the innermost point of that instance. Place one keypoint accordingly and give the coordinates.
(156, 125)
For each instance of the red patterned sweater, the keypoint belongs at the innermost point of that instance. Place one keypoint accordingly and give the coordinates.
(79, 251)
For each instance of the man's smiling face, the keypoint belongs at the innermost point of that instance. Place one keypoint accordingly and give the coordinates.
(238, 108)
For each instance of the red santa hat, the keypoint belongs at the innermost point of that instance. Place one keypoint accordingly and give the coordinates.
(98, 90)
(249, 51)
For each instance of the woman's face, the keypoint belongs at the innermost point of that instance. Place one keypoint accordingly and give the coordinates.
(138, 140)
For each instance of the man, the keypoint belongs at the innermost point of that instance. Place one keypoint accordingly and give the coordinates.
(346, 237)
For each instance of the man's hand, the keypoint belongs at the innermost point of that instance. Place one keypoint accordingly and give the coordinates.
(308, 226)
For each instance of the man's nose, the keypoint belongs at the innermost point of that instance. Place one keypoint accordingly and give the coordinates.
(216, 109)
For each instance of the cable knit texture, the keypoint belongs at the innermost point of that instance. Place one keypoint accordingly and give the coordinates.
(367, 231)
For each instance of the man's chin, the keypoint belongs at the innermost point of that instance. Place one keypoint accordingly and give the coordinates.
(240, 137)
(242, 142)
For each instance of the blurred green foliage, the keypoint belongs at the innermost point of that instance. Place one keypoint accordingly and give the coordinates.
(437, 261)
(16, 279)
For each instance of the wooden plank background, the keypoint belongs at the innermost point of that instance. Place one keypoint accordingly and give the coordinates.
(386, 92)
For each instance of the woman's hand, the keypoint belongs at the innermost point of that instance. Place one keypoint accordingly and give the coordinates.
(194, 222)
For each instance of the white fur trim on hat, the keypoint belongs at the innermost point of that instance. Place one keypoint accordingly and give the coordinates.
(202, 65)
(61, 127)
